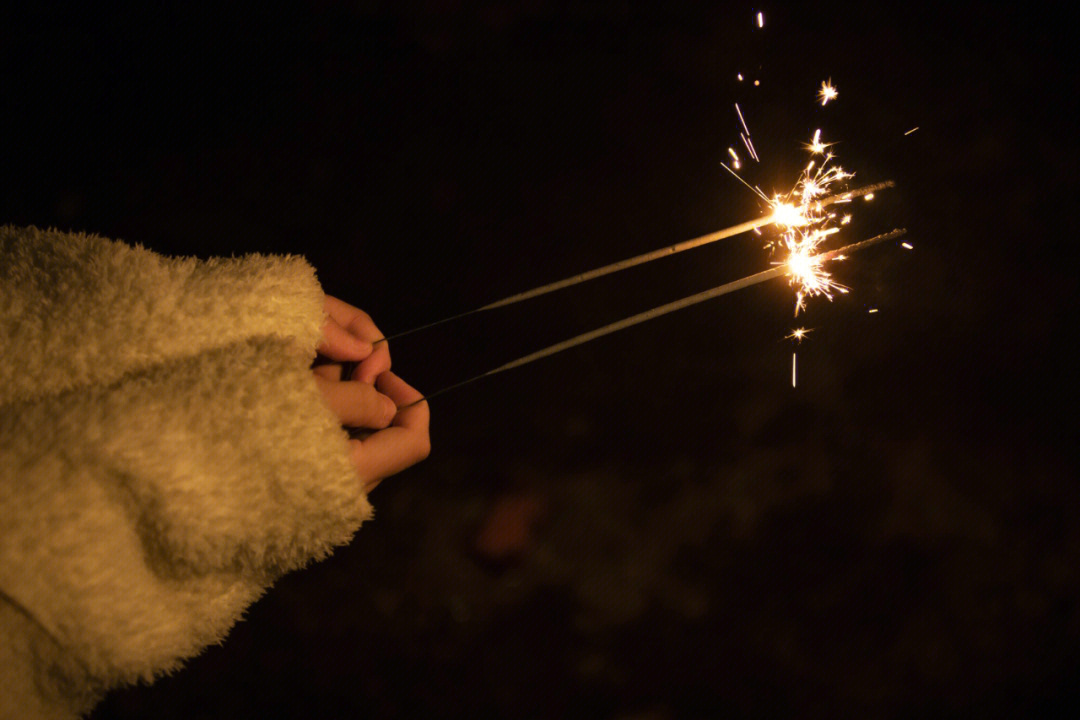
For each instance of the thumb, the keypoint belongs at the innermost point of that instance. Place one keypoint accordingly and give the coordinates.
(339, 344)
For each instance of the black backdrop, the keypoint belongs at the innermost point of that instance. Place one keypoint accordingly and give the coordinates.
(677, 531)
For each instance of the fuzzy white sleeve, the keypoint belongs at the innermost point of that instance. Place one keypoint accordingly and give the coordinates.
(143, 510)
(78, 309)
(141, 518)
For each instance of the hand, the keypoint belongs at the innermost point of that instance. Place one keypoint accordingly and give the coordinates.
(349, 335)
(371, 397)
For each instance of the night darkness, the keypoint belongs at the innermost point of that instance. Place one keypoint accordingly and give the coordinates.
(654, 525)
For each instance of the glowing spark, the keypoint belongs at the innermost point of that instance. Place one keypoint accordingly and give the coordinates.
(827, 92)
(872, 310)
(845, 220)
(740, 77)
(799, 334)
(760, 20)
(805, 225)
(731, 151)
(792, 369)
(756, 83)
(816, 147)
(753, 189)
(912, 130)
(868, 197)
(749, 147)
(752, 150)
(907, 246)
(788, 215)
(743, 122)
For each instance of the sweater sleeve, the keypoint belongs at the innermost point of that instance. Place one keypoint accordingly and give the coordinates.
(145, 509)
(79, 309)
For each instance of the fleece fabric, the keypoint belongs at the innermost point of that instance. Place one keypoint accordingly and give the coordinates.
(165, 456)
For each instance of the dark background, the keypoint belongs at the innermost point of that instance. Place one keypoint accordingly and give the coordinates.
(654, 525)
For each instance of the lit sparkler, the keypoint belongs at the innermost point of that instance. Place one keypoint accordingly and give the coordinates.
(656, 312)
(805, 225)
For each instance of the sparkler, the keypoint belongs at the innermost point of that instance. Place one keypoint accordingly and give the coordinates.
(725, 289)
(802, 215)
(784, 214)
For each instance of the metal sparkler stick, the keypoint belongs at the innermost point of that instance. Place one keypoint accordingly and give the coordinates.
(656, 312)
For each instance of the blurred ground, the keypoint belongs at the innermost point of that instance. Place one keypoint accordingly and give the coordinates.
(655, 525)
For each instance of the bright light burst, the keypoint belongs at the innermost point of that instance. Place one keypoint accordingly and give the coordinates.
(816, 147)
(805, 224)
(799, 334)
(827, 92)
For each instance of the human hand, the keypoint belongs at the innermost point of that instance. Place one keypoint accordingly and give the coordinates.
(350, 335)
(371, 398)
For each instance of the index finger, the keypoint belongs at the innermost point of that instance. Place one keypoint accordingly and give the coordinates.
(352, 319)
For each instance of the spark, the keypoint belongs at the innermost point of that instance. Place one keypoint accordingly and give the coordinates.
(827, 92)
(868, 197)
(756, 83)
(872, 310)
(739, 75)
(749, 147)
(743, 122)
(799, 334)
(793, 369)
(734, 157)
(816, 147)
(912, 130)
(907, 246)
(787, 215)
(805, 225)
(760, 20)
(753, 189)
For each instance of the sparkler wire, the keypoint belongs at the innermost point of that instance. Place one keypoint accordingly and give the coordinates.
(656, 312)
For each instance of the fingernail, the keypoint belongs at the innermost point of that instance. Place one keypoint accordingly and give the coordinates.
(364, 347)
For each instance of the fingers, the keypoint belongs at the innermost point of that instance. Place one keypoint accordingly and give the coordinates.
(416, 416)
(356, 404)
(356, 322)
(395, 448)
(339, 344)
